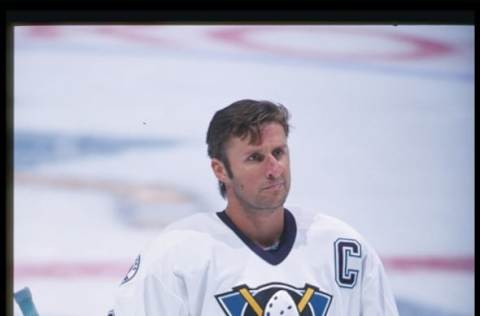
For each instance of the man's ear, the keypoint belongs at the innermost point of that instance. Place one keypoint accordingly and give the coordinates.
(219, 170)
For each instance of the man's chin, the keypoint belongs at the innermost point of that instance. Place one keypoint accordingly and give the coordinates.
(263, 204)
(271, 205)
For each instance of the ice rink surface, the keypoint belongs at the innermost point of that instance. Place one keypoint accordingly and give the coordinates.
(110, 125)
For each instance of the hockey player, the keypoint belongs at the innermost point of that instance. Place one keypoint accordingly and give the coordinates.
(255, 257)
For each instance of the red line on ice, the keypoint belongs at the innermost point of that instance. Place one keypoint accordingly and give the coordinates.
(418, 46)
(466, 264)
(118, 270)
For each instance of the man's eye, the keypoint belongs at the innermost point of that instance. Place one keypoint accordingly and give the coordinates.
(254, 157)
(278, 152)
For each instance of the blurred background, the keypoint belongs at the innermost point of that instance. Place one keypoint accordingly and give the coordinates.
(109, 146)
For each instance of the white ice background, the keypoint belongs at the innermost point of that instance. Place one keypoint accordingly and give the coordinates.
(381, 137)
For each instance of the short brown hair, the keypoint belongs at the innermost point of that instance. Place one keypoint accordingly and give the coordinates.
(241, 119)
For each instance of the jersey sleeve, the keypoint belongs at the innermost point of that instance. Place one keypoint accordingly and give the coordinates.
(151, 287)
(148, 296)
(377, 296)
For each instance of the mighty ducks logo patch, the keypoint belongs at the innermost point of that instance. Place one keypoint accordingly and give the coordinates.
(275, 299)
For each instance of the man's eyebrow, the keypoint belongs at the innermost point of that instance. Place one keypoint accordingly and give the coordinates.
(257, 149)
(250, 151)
(284, 146)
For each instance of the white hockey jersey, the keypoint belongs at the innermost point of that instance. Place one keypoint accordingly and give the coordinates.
(203, 265)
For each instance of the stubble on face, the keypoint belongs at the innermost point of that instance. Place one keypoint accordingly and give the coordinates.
(250, 187)
(263, 201)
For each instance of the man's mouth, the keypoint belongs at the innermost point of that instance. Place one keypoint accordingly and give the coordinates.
(274, 186)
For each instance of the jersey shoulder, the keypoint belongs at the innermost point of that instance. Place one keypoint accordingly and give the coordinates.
(172, 250)
(320, 228)
(192, 235)
(337, 231)
(333, 224)
(316, 222)
(199, 222)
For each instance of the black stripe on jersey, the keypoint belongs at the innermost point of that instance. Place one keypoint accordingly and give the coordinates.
(287, 239)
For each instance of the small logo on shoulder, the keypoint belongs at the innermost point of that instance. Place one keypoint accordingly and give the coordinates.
(133, 271)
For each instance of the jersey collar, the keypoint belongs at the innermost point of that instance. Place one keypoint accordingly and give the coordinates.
(287, 238)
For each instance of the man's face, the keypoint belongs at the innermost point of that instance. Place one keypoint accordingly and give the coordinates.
(261, 172)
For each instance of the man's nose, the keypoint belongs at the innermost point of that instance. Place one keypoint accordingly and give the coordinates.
(274, 167)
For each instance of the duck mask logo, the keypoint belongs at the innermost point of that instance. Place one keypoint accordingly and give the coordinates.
(275, 299)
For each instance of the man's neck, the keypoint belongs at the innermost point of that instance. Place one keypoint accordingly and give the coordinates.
(263, 227)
